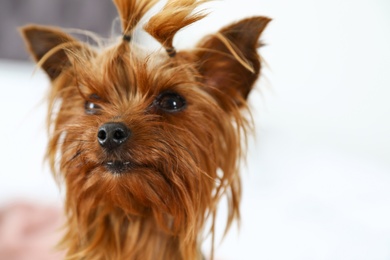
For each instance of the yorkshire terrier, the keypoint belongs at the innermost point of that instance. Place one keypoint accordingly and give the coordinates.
(147, 143)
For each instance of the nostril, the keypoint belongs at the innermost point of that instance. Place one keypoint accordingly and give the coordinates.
(102, 135)
(120, 135)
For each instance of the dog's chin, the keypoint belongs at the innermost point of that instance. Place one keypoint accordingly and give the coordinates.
(134, 188)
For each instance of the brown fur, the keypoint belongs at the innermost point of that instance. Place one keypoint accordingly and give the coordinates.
(183, 161)
(173, 17)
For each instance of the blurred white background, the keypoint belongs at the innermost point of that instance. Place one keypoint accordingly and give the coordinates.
(316, 185)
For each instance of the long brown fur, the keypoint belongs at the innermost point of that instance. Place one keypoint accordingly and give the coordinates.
(182, 162)
(131, 12)
(175, 15)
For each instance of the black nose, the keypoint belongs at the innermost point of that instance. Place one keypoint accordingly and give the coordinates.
(112, 135)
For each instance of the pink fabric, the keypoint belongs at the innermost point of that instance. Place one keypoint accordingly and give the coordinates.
(30, 232)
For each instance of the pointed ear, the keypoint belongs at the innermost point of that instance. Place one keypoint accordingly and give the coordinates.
(228, 61)
(40, 40)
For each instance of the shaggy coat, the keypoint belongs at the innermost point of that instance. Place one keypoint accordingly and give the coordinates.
(150, 197)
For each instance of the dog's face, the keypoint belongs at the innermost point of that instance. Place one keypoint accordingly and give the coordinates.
(146, 134)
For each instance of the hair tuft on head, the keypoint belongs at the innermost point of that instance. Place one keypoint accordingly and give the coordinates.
(175, 15)
(131, 12)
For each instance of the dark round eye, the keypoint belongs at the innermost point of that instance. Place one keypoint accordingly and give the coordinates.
(90, 107)
(170, 102)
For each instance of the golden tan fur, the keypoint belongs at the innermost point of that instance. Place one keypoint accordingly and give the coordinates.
(131, 12)
(182, 162)
(175, 15)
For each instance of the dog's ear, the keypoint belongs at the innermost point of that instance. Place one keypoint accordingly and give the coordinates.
(40, 40)
(228, 61)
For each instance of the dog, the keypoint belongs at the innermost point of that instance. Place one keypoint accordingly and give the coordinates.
(147, 143)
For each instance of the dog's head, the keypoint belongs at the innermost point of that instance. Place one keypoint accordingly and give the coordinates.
(152, 134)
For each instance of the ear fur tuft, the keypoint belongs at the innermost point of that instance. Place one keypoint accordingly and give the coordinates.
(228, 61)
(41, 40)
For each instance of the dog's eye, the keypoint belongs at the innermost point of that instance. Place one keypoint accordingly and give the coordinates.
(170, 102)
(90, 107)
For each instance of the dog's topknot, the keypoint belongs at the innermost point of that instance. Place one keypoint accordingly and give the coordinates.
(175, 15)
(131, 12)
(163, 26)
